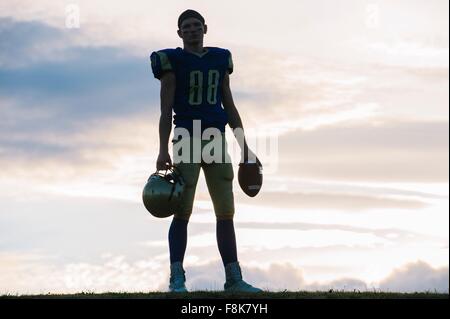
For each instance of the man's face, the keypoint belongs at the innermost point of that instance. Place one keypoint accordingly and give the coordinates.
(192, 31)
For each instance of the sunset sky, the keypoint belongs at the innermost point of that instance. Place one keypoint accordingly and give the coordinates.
(350, 97)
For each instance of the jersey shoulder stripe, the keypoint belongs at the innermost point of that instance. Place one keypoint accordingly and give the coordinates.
(226, 54)
(162, 61)
(230, 63)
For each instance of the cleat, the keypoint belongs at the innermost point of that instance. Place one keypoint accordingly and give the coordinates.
(234, 282)
(177, 278)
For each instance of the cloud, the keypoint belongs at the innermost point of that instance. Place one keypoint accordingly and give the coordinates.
(71, 84)
(417, 276)
(62, 102)
(392, 151)
(81, 106)
(78, 228)
(348, 136)
(27, 273)
(211, 276)
(104, 150)
(88, 84)
(279, 277)
(335, 201)
(396, 235)
(34, 273)
(23, 43)
(93, 85)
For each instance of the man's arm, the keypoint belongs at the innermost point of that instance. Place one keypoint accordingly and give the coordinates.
(167, 96)
(234, 120)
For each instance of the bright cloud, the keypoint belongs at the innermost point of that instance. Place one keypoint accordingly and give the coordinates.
(116, 274)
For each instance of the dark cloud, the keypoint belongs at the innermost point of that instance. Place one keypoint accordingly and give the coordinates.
(24, 42)
(91, 83)
(51, 86)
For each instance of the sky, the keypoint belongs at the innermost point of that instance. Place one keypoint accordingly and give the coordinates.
(345, 103)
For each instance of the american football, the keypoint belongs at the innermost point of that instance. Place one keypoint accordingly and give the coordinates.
(250, 176)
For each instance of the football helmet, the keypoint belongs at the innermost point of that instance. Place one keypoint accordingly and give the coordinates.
(163, 192)
(250, 177)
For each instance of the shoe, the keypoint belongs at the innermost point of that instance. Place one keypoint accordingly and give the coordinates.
(234, 282)
(177, 278)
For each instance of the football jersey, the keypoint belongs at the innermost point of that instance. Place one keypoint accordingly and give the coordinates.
(199, 79)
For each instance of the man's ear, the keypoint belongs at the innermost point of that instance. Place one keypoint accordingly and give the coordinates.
(179, 33)
(205, 27)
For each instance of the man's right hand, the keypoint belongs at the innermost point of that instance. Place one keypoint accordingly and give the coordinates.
(163, 162)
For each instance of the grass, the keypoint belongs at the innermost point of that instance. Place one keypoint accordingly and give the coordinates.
(332, 294)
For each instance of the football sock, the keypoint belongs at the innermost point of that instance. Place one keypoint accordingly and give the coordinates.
(226, 240)
(177, 239)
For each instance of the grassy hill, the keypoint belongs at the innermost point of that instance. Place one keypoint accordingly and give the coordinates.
(222, 295)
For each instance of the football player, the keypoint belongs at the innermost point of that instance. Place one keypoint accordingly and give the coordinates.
(195, 83)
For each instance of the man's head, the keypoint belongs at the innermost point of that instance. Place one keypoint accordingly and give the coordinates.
(191, 27)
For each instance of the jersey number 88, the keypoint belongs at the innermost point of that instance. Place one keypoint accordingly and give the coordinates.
(196, 87)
